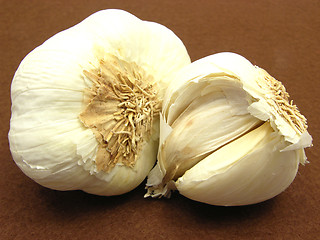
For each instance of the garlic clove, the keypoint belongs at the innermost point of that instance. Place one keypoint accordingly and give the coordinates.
(228, 134)
(55, 86)
(190, 141)
(248, 170)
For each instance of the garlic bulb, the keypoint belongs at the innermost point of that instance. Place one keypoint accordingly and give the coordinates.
(85, 103)
(229, 135)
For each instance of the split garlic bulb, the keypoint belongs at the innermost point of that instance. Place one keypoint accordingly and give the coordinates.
(85, 103)
(229, 135)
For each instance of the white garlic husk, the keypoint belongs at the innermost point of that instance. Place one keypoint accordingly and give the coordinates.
(229, 135)
(85, 103)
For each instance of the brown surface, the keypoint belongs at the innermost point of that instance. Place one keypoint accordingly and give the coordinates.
(281, 36)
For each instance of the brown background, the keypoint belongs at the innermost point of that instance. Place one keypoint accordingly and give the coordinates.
(281, 36)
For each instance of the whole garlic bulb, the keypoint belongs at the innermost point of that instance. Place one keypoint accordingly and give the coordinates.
(85, 103)
(229, 135)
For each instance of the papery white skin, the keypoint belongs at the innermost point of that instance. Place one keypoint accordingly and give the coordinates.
(47, 140)
(256, 166)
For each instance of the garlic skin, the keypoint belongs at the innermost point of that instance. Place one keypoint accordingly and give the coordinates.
(228, 134)
(49, 140)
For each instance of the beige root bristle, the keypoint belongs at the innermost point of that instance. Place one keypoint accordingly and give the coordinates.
(120, 108)
(279, 100)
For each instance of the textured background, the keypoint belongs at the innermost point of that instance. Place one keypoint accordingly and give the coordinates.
(280, 36)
